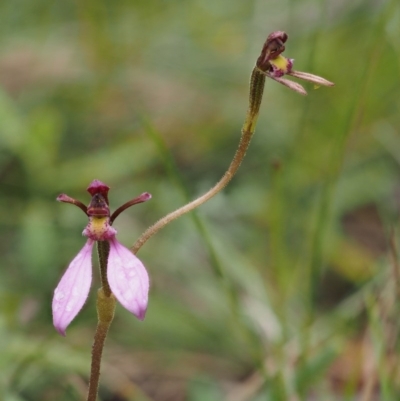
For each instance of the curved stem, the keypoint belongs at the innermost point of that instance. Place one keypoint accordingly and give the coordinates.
(257, 82)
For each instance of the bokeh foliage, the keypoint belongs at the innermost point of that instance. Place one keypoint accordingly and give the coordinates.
(283, 287)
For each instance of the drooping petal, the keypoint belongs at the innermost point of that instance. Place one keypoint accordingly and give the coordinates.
(73, 289)
(290, 84)
(311, 78)
(128, 279)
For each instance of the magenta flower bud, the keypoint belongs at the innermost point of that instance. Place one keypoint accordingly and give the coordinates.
(98, 187)
(127, 277)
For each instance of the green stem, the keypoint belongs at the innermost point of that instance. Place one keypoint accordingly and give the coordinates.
(257, 82)
(103, 249)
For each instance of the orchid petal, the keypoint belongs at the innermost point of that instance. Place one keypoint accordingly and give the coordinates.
(73, 289)
(311, 78)
(290, 84)
(128, 279)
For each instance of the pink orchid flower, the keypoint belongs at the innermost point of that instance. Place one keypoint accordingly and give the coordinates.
(127, 277)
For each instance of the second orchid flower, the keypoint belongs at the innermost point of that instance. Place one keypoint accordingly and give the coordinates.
(272, 64)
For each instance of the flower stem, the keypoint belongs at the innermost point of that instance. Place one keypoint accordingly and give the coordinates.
(105, 314)
(103, 249)
(257, 82)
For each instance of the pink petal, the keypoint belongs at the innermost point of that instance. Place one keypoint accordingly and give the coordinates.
(73, 289)
(290, 84)
(128, 279)
(311, 78)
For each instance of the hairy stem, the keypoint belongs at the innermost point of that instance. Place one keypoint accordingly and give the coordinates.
(257, 82)
(105, 314)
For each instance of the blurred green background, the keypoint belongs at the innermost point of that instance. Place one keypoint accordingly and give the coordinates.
(284, 286)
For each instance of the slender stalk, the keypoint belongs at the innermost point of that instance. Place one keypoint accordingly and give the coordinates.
(105, 314)
(234, 302)
(257, 82)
